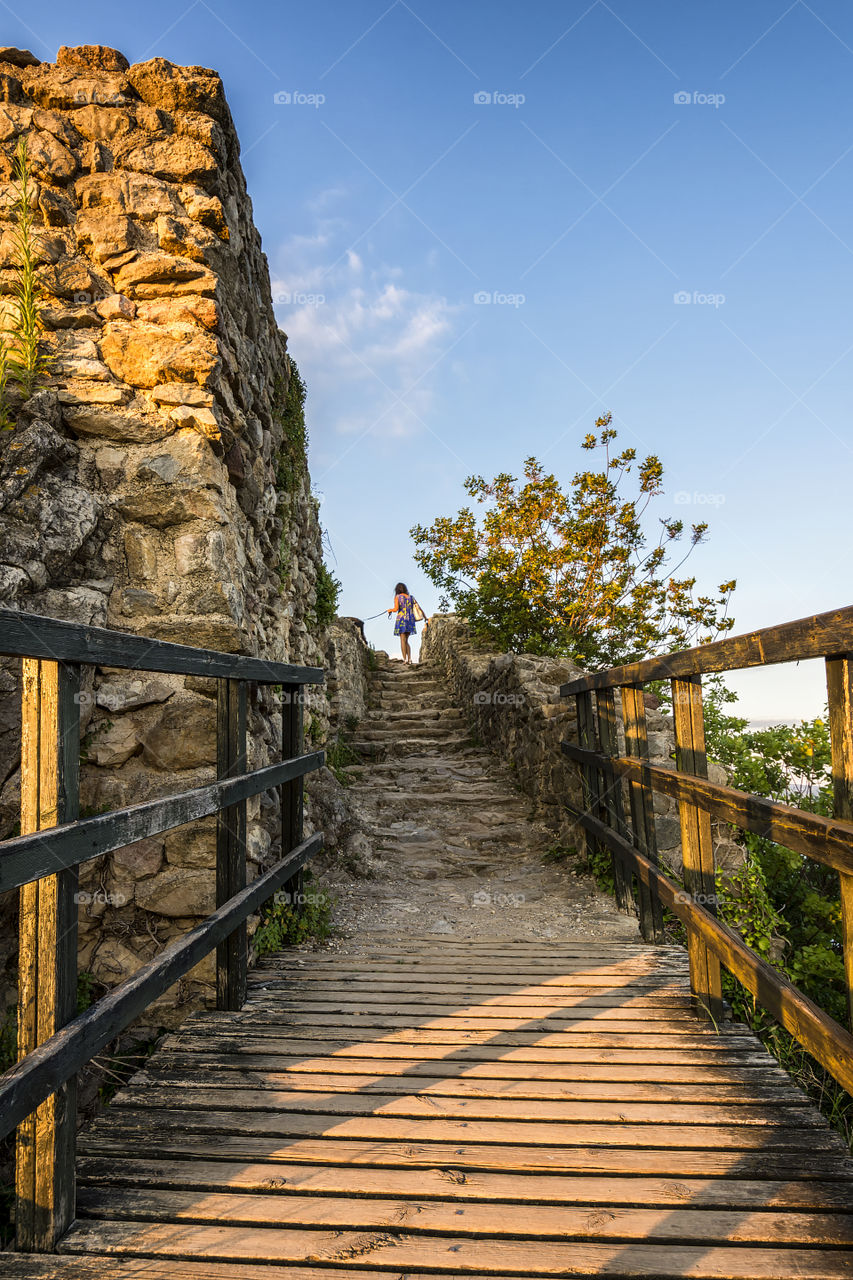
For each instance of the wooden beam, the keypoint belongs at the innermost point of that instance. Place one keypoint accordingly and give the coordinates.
(27, 857)
(824, 635)
(827, 840)
(819, 1034)
(293, 792)
(589, 772)
(697, 849)
(231, 761)
(47, 961)
(611, 795)
(839, 684)
(26, 1085)
(29, 635)
(642, 805)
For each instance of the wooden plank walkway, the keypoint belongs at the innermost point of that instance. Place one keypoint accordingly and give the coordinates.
(465, 1109)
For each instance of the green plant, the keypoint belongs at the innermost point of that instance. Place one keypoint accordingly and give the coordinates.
(372, 660)
(340, 754)
(23, 358)
(572, 573)
(289, 410)
(351, 723)
(285, 922)
(559, 853)
(327, 589)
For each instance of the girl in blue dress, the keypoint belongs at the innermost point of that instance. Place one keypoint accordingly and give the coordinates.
(404, 607)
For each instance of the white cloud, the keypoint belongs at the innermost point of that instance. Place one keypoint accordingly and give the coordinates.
(362, 338)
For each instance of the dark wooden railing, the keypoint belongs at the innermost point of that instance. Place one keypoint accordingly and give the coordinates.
(640, 883)
(38, 1095)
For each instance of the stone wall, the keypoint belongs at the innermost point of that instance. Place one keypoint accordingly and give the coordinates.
(150, 486)
(514, 705)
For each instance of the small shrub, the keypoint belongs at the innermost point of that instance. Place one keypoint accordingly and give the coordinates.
(286, 924)
(327, 589)
(340, 754)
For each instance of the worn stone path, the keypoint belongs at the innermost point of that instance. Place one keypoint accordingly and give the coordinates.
(460, 853)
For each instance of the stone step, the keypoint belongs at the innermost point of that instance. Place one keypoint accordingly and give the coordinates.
(397, 747)
(419, 715)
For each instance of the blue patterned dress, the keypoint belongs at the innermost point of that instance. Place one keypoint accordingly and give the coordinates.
(405, 624)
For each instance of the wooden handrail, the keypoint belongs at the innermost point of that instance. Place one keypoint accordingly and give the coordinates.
(824, 635)
(38, 1095)
(29, 635)
(826, 840)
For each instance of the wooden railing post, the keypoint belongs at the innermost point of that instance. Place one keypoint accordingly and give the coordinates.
(47, 963)
(839, 684)
(292, 793)
(611, 796)
(589, 773)
(642, 806)
(231, 761)
(697, 848)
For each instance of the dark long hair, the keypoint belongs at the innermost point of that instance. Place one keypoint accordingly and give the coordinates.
(401, 589)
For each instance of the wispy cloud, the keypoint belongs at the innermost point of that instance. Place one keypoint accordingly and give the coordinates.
(366, 334)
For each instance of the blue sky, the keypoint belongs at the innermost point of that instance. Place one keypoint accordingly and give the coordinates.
(660, 151)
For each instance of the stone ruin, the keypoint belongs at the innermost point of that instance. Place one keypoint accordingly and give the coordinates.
(152, 485)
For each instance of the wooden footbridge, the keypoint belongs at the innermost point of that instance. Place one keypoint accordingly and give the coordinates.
(495, 1108)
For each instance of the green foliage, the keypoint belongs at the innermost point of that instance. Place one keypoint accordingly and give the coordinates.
(23, 358)
(327, 589)
(289, 409)
(340, 754)
(571, 573)
(784, 894)
(314, 731)
(286, 923)
(372, 660)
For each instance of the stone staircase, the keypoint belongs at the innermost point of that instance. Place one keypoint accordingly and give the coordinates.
(458, 849)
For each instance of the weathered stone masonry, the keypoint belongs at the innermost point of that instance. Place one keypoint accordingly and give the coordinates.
(149, 487)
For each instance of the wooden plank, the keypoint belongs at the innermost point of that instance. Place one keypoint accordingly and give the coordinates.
(754, 1073)
(839, 684)
(821, 1035)
(820, 636)
(448, 1217)
(632, 1088)
(27, 857)
(323, 1180)
(618, 1023)
(231, 761)
(740, 1052)
(611, 797)
(30, 635)
(419, 1106)
(580, 1037)
(697, 848)
(642, 808)
(135, 1124)
(292, 794)
(509, 1015)
(492, 997)
(27, 1084)
(457, 1254)
(827, 840)
(47, 958)
(665, 1161)
(589, 773)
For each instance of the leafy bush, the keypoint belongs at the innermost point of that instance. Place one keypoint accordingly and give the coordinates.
(571, 573)
(285, 923)
(327, 589)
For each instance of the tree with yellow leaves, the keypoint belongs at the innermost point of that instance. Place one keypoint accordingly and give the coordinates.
(572, 573)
